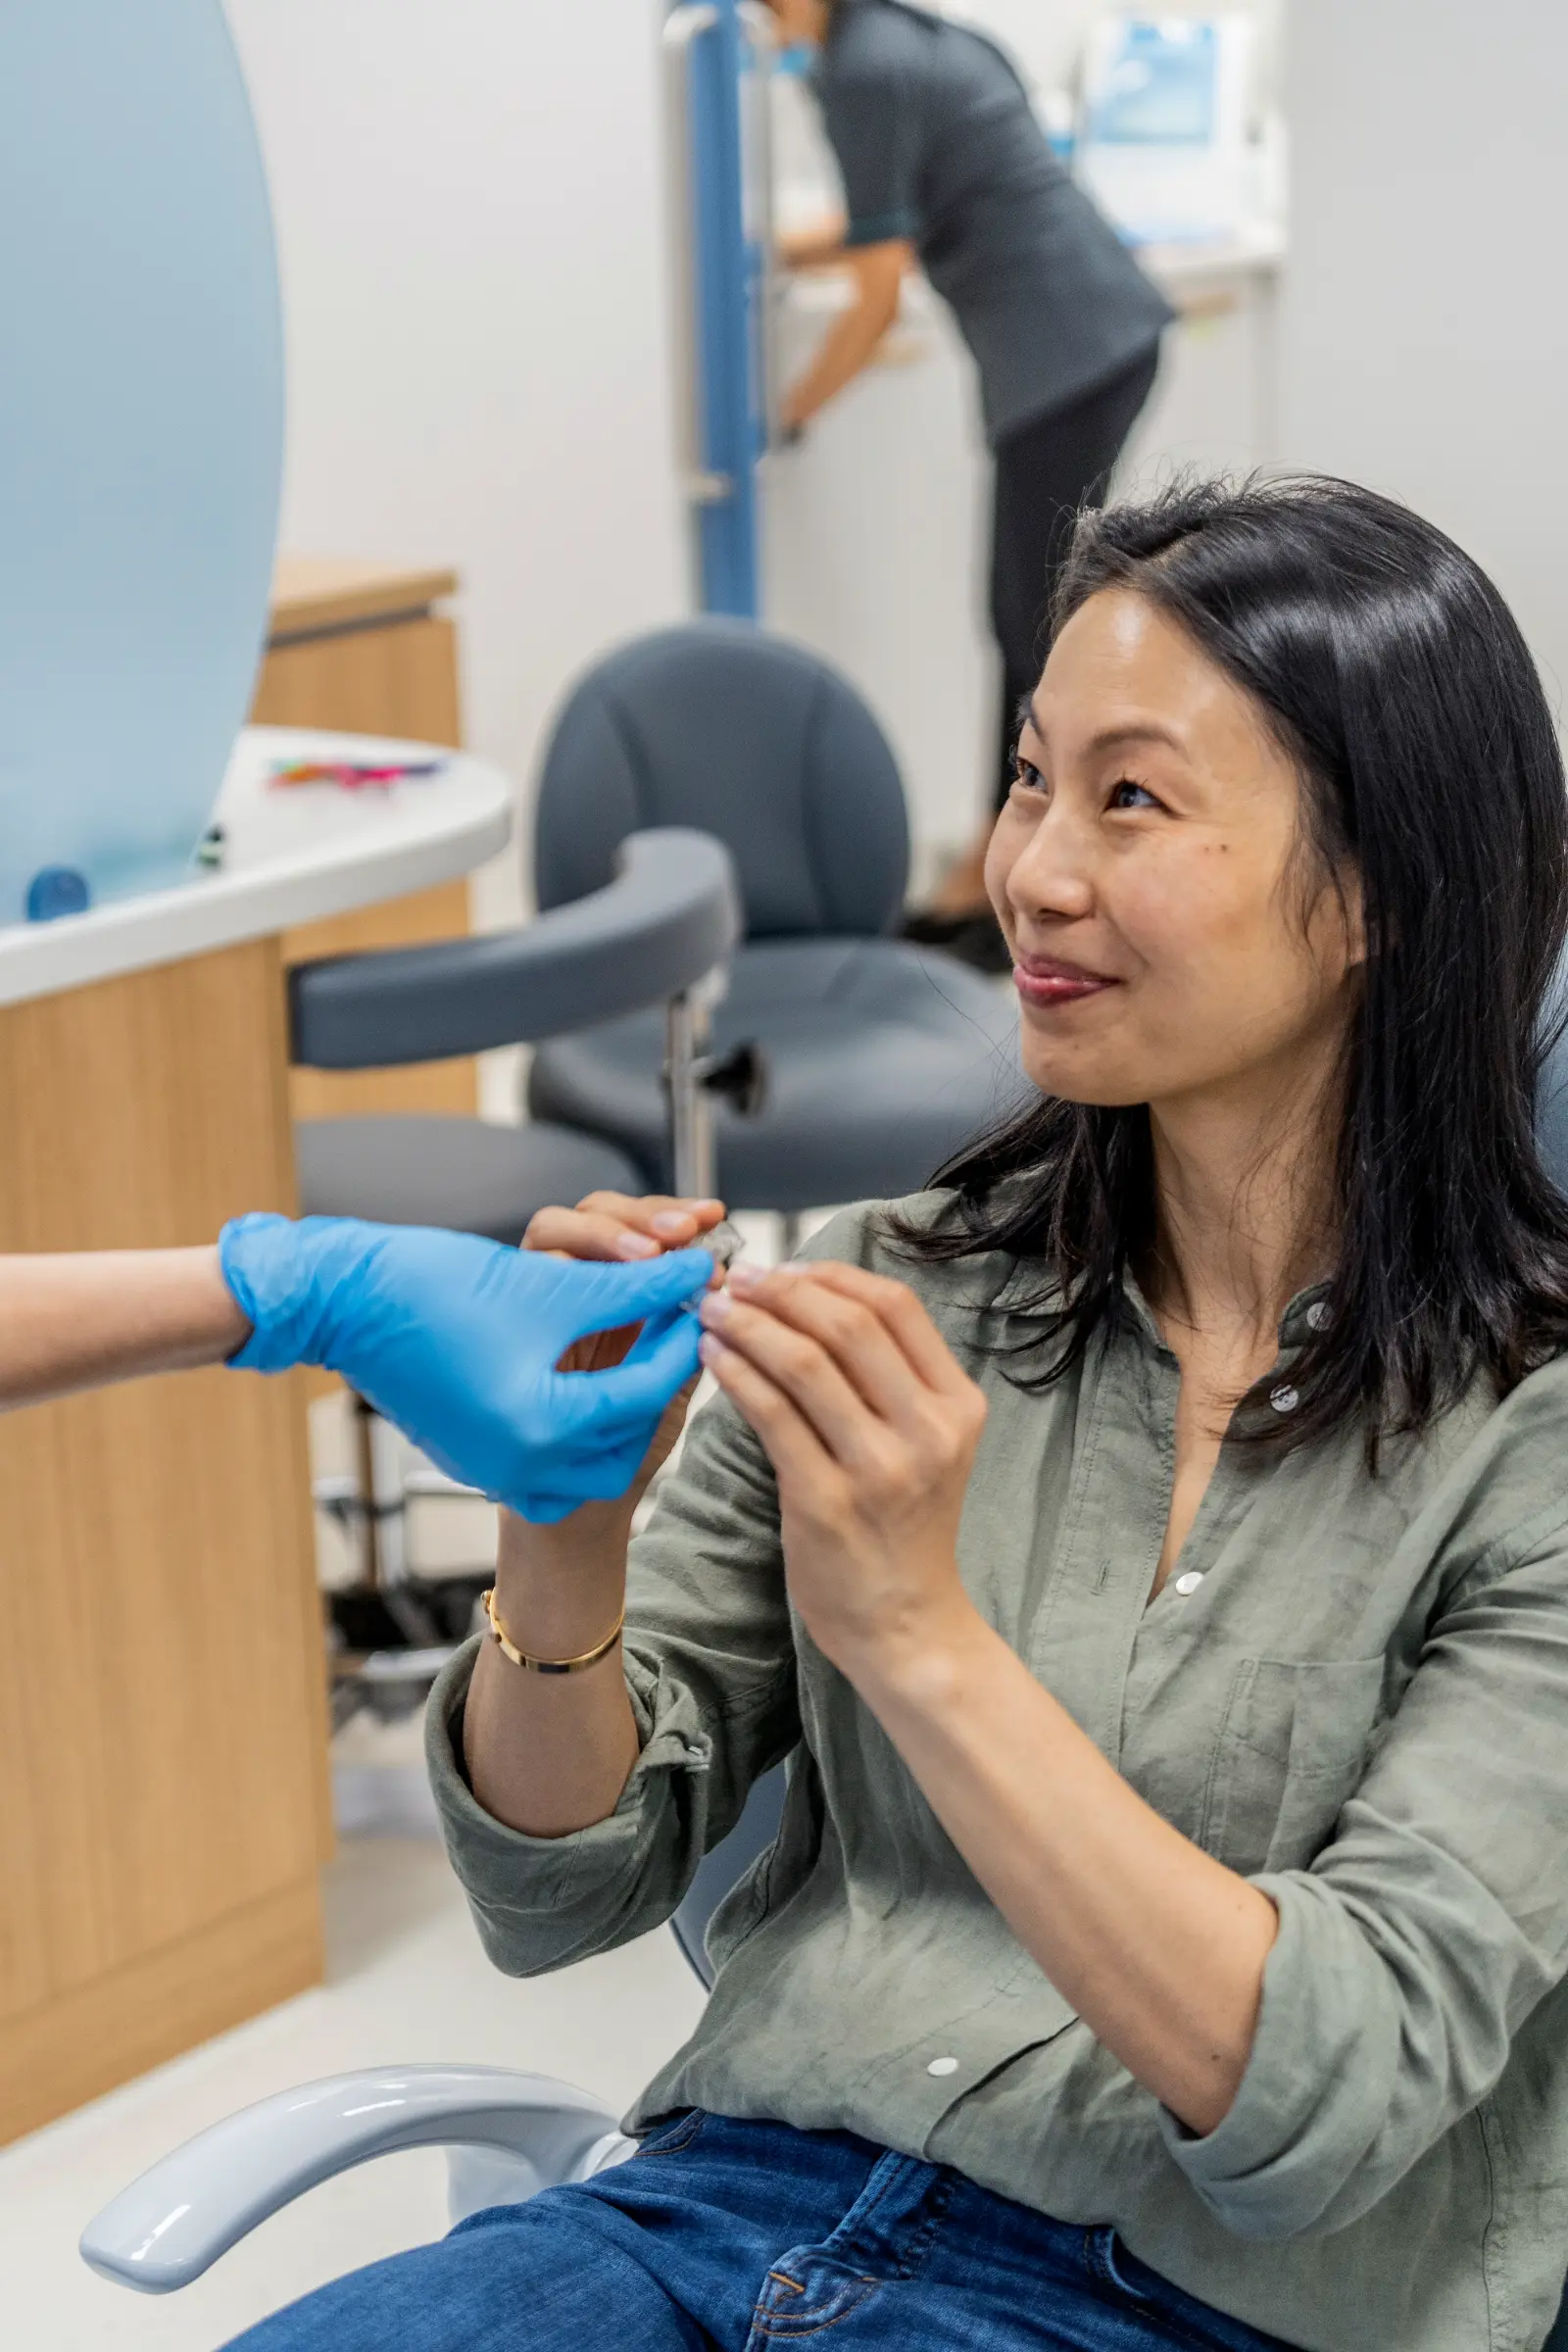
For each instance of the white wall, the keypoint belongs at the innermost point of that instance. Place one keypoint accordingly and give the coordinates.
(1425, 332)
(468, 204)
(1044, 36)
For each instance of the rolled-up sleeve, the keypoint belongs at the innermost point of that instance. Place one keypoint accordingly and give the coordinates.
(711, 1673)
(1422, 1936)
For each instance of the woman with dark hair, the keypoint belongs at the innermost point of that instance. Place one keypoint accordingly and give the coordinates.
(1151, 1547)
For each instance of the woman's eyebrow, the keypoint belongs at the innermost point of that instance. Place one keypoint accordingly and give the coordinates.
(1142, 730)
(1113, 739)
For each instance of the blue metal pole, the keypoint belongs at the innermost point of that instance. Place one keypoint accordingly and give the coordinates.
(727, 272)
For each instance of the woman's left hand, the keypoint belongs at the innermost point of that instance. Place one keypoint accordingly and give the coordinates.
(871, 1427)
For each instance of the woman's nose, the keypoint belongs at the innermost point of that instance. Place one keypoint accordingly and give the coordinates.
(1052, 874)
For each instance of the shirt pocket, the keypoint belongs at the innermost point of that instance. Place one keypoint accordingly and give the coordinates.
(1292, 1749)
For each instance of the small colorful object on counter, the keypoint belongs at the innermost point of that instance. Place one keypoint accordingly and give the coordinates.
(353, 775)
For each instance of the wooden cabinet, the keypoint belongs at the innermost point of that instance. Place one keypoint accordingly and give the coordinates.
(162, 1716)
(163, 1682)
(362, 647)
(163, 1694)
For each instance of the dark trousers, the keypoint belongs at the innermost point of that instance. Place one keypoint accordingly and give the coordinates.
(1047, 472)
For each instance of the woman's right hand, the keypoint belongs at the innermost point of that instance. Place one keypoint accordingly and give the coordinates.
(616, 1228)
(549, 1753)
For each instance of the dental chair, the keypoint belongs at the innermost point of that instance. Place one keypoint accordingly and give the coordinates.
(508, 2134)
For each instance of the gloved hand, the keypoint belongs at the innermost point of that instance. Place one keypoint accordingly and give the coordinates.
(456, 1341)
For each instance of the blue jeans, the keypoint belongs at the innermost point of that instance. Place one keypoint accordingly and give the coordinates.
(745, 2235)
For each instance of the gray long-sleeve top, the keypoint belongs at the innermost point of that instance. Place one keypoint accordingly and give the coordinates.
(1363, 1706)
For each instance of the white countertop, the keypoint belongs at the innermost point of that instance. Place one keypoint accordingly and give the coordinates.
(1179, 270)
(289, 857)
(1258, 250)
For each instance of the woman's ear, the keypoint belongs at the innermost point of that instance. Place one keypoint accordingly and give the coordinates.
(1353, 903)
(1335, 924)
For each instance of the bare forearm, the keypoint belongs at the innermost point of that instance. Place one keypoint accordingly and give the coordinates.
(844, 353)
(1159, 1947)
(74, 1322)
(549, 1754)
(819, 247)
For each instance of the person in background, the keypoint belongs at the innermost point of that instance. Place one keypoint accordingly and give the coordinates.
(454, 1339)
(944, 163)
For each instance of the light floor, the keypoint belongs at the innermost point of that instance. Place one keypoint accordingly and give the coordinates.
(405, 1980)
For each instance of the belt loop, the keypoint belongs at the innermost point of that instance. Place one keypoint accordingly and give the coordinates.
(1108, 2252)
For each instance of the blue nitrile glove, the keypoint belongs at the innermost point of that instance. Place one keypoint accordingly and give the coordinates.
(456, 1339)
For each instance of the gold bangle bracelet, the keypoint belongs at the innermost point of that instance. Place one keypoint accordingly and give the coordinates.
(509, 1648)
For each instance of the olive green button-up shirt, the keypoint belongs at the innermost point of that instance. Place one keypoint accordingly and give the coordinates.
(1354, 1691)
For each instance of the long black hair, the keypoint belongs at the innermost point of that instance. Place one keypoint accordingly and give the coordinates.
(1390, 670)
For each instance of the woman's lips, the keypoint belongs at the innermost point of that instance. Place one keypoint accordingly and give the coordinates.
(1050, 980)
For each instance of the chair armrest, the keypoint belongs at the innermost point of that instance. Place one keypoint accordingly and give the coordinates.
(172, 2224)
(671, 914)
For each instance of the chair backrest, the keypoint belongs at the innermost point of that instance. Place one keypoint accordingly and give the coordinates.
(721, 726)
(1558, 2340)
(724, 1867)
(1552, 1095)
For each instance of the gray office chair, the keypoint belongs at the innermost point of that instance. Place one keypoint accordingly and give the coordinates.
(649, 936)
(881, 1057)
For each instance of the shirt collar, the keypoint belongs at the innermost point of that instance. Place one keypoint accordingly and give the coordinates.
(1305, 1315)
(1022, 1287)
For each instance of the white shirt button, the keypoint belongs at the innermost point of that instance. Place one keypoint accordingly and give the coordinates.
(1285, 1399)
(1319, 1314)
(1191, 1581)
(943, 2065)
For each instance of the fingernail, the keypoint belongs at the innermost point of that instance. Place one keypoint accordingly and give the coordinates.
(744, 1277)
(711, 1348)
(673, 1222)
(715, 1307)
(635, 1244)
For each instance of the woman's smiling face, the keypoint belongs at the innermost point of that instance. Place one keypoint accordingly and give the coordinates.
(1152, 880)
